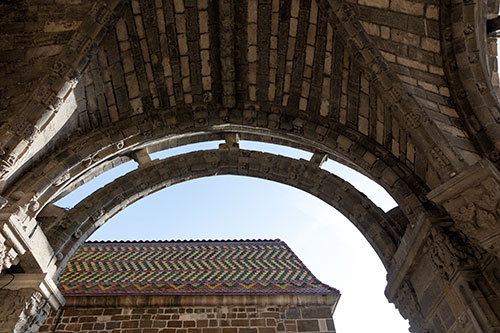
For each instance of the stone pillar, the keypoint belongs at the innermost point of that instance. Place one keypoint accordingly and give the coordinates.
(25, 298)
(22, 310)
(453, 286)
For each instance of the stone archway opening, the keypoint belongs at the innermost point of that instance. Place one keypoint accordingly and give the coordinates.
(400, 90)
(324, 240)
(376, 280)
(381, 276)
(90, 183)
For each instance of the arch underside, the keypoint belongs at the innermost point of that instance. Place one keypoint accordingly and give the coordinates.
(300, 58)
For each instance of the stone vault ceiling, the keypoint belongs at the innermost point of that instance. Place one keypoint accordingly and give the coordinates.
(402, 90)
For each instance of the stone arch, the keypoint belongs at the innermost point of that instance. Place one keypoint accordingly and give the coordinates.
(466, 53)
(78, 223)
(339, 15)
(122, 139)
(437, 257)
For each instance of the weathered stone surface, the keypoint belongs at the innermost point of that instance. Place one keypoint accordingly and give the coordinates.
(23, 310)
(402, 90)
(178, 319)
(473, 201)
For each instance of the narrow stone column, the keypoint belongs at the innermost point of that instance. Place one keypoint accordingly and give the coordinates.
(22, 310)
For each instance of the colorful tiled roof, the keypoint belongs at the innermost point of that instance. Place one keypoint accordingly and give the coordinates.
(244, 267)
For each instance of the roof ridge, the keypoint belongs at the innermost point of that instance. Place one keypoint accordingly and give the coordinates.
(277, 240)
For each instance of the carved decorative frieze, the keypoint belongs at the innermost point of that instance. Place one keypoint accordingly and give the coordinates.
(33, 314)
(473, 201)
(407, 303)
(8, 255)
(440, 157)
(22, 310)
(61, 180)
(450, 251)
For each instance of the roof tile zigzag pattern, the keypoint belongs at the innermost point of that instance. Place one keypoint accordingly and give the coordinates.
(244, 267)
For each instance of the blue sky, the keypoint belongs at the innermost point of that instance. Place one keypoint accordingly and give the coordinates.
(234, 207)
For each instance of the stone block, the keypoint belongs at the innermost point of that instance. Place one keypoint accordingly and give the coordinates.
(292, 313)
(113, 324)
(375, 3)
(130, 324)
(408, 7)
(307, 325)
(240, 322)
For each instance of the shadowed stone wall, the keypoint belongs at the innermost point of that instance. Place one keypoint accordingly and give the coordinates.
(401, 90)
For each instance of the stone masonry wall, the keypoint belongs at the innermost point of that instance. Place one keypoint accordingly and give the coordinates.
(223, 319)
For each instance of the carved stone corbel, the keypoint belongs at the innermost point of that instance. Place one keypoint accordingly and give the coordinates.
(8, 255)
(472, 199)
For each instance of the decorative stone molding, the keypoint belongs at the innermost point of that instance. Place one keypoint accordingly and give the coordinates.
(43, 282)
(472, 199)
(29, 243)
(407, 303)
(34, 313)
(10, 247)
(450, 252)
(8, 255)
(22, 311)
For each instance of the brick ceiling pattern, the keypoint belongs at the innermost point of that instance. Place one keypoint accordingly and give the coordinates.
(188, 268)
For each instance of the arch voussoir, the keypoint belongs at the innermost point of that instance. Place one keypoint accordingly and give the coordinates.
(121, 139)
(79, 222)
